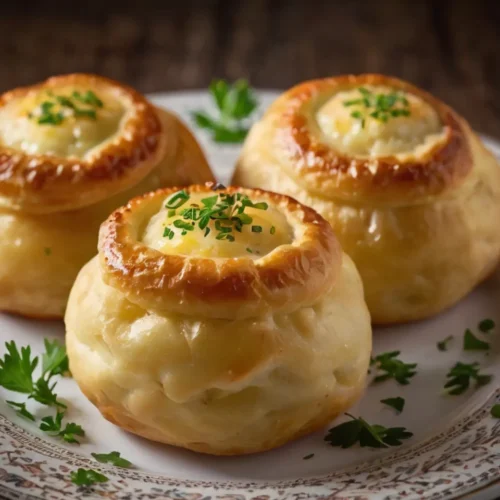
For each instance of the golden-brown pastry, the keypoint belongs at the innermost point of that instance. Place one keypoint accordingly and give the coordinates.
(222, 321)
(72, 149)
(410, 190)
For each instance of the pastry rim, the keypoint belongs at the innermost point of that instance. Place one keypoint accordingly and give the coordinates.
(324, 169)
(288, 277)
(48, 183)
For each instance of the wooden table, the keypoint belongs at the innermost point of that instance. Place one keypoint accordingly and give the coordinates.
(448, 47)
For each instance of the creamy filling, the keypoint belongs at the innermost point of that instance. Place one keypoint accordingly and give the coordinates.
(379, 121)
(261, 232)
(66, 122)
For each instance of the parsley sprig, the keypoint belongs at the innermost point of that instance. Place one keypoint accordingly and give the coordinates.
(398, 403)
(18, 366)
(235, 103)
(359, 430)
(53, 427)
(472, 343)
(390, 366)
(461, 376)
(379, 106)
(112, 458)
(87, 477)
(226, 212)
(55, 108)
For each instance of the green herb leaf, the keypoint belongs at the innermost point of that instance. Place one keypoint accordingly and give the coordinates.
(177, 200)
(378, 106)
(54, 360)
(235, 103)
(307, 457)
(443, 344)
(47, 251)
(357, 430)
(53, 426)
(486, 325)
(392, 367)
(461, 376)
(16, 369)
(272, 230)
(472, 343)
(112, 458)
(397, 403)
(44, 393)
(495, 411)
(21, 410)
(87, 477)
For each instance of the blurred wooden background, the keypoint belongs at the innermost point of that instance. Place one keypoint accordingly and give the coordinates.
(448, 47)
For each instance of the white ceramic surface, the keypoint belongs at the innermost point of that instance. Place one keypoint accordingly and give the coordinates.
(455, 449)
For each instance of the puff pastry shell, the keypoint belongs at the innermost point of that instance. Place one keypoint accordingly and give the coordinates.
(59, 182)
(221, 355)
(414, 200)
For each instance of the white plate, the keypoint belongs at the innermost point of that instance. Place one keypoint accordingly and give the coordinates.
(455, 449)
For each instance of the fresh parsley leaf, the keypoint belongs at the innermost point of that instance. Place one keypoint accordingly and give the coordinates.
(357, 430)
(53, 426)
(112, 458)
(44, 393)
(87, 477)
(54, 360)
(461, 376)
(21, 410)
(47, 251)
(392, 367)
(16, 369)
(472, 343)
(486, 325)
(235, 103)
(443, 344)
(495, 411)
(397, 403)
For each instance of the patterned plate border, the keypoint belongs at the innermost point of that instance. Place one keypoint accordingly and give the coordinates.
(462, 458)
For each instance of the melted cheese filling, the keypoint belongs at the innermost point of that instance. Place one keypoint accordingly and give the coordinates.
(402, 136)
(75, 136)
(247, 243)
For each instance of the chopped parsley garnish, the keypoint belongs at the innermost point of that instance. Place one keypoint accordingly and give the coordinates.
(235, 103)
(56, 108)
(47, 251)
(472, 343)
(486, 325)
(18, 366)
(461, 376)
(443, 344)
(359, 430)
(397, 403)
(391, 367)
(495, 411)
(21, 410)
(87, 477)
(53, 427)
(226, 211)
(379, 106)
(112, 458)
(307, 457)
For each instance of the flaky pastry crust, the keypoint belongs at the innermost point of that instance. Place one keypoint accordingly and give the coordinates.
(413, 223)
(290, 276)
(44, 183)
(208, 370)
(51, 207)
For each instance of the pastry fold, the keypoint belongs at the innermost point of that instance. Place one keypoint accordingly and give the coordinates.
(401, 177)
(219, 346)
(72, 149)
